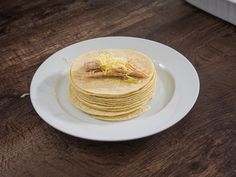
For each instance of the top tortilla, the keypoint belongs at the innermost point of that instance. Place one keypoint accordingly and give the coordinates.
(110, 86)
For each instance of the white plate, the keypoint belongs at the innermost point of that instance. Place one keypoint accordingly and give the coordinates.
(177, 91)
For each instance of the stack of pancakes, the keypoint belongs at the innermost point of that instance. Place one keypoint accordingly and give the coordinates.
(112, 98)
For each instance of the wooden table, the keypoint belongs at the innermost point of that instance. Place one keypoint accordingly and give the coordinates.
(202, 144)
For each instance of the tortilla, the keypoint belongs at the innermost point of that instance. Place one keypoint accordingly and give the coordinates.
(112, 98)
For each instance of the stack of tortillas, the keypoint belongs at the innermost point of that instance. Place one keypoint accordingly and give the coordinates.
(105, 96)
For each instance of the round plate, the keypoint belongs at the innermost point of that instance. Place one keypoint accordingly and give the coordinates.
(177, 91)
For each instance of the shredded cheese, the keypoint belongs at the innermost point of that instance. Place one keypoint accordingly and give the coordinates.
(24, 95)
(131, 79)
(109, 62)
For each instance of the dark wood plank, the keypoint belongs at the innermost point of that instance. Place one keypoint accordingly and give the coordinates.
(202, 144)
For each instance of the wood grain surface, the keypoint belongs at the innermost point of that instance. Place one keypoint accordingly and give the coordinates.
(203, 144)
